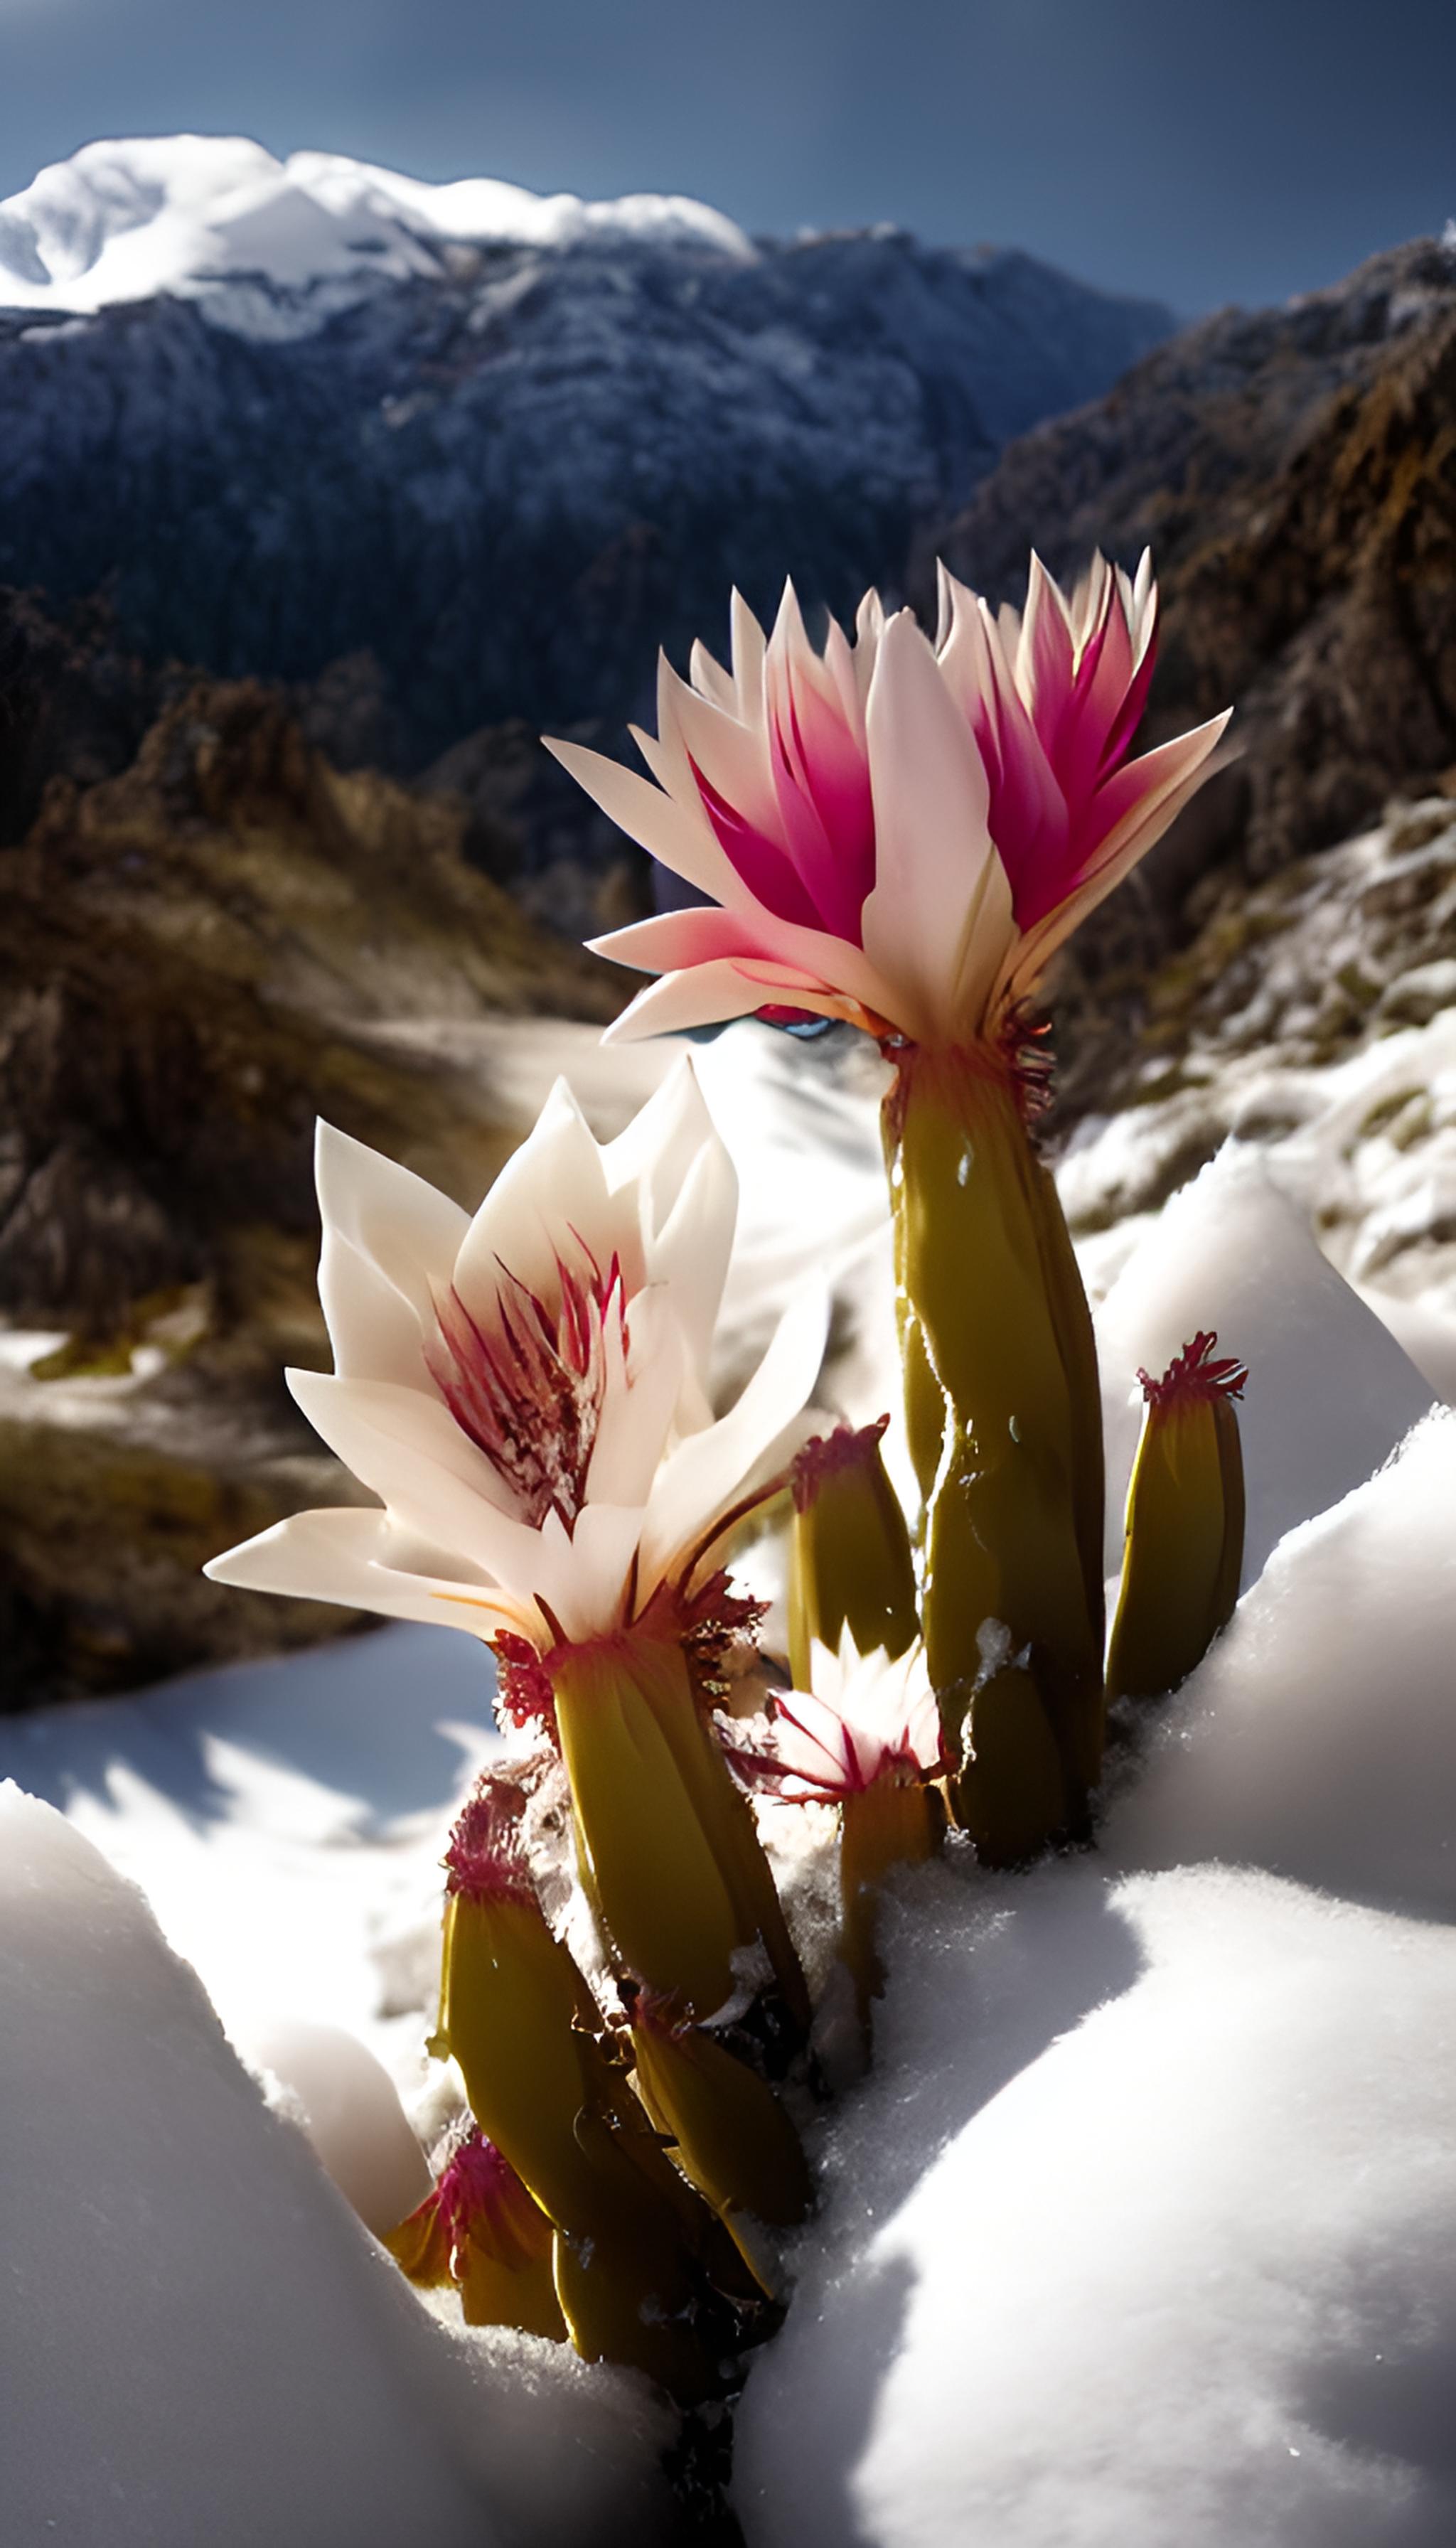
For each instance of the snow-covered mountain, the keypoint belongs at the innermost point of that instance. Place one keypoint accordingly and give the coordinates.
(287, 412)
(273, 244)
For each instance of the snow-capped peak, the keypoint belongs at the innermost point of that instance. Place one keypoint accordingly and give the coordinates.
(191, 214)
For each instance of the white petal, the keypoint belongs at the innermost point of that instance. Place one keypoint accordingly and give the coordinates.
(748, 648)
(701, 997)
(410, 1451)
(692, 1251)
(675, 831)
(396, 1223)
(660, 1146)
(638, 1405)
(603, 1547)
(551, 1188)
(936, 870)
(708, 677)
(359, 1557)
(701, 1479)
(375, 1331)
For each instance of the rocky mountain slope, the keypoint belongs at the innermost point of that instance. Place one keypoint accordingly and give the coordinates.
(200, 955)
(1295, 472)
(496, 447)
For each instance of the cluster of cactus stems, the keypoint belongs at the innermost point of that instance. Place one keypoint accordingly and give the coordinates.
(634, 2158)
(895, 832)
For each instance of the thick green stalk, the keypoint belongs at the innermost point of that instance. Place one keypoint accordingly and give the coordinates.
(852, 1563)
(895, 1822)
(669, 1845)
(1005, 1429)
(1184, 1546)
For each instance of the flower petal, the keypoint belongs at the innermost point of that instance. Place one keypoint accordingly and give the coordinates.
(363, 1560)
(590, 1600)
(637, 1406)
(937, 873)
(410, 1451)
(386, 1236)
(701, 1479)
(551, 1188)
(678, 833)
(692, 1251)
(1180, 773)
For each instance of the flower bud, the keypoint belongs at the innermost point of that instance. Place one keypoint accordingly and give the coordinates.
(480, 2230)
(867, 1738)
(1184, 1546)
(851, 1560)
(635, 2261)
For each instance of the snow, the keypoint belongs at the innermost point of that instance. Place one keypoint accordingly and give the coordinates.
(1330, 1393)
(1317, 1738)
(183, 214)
(202, 2343)
(286, 1822)
(1141, 2233)
(1141, 2226)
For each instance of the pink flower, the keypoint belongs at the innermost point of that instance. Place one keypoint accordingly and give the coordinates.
(867, 1719)
(894, 833)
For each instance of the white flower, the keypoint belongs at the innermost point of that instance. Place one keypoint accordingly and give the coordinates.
(867, 1718)
(525, 1391)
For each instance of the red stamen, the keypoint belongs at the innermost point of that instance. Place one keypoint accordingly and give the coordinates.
(485, 1861)
(828, 1454)
(530, 1395)
(523, 1690)
(1191, 1376)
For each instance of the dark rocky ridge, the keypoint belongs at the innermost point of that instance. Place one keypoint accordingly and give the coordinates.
(1295, 473)
(199, 956)
(497, 488)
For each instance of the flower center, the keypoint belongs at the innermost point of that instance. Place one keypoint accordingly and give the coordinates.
(529, 1393)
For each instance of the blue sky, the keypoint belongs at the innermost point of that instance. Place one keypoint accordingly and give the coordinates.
(1206, 155)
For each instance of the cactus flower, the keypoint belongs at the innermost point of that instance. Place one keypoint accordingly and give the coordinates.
(867, 1738)
(900, 834)
(525, 1391)
(894, 832)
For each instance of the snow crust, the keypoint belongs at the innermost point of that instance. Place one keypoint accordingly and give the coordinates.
(1144, 2227)
(286, 1822)
(1330, 1393)
(1142, 2233)
(1317, 1738)
(125, 219)
(201, 2342)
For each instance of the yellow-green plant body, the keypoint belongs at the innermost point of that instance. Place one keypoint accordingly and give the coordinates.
(851, 1560)
(896, 1821)
(517, 2016)
(669, 1846)
(1004, 1422)
(1183, 1549)
(731, 2136)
